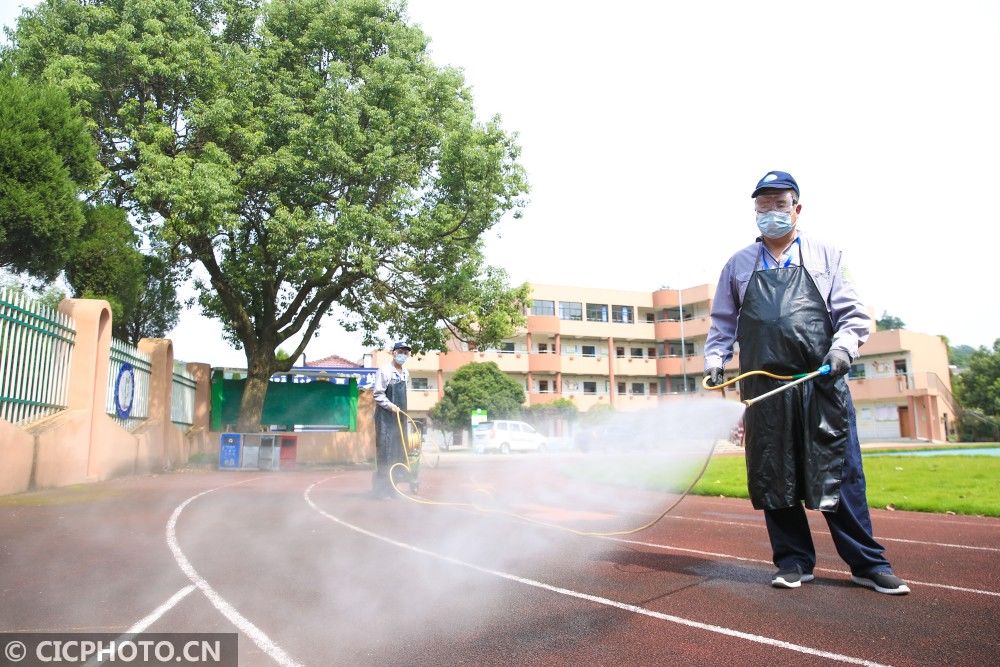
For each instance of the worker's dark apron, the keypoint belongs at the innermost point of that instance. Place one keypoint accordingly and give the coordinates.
(796, 439)
(389, 434)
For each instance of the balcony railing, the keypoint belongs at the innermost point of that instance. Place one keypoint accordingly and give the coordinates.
(905, 380)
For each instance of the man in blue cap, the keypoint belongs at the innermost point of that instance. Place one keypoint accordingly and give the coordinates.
(389, 392)
(787, 301)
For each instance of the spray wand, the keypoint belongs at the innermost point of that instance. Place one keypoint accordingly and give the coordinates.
(795, 379)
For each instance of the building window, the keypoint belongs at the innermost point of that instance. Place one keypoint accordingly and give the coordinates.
(543, 307)
(590, 387)
(900, 366)
(588, 350)
(543, 386)
(636, 352)
(570, 310)
(676, 350)
(652, 389)
(543, 348)
(650, 317)
(661, 350)
(419, 383)
(675, 314)
(597, 312)
(622, 314)
(621, 389)
(857, 372)
(638, 388)
(651, 352)
(507, 348)
(620, 352)
(677, 385)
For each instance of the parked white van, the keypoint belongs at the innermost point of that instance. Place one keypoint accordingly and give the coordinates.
(506, 436)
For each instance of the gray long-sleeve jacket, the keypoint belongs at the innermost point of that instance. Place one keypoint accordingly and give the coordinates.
(383, 376)
(851, 322)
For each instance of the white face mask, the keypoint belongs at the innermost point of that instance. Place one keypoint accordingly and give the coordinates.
(401, 358)
(774, 224)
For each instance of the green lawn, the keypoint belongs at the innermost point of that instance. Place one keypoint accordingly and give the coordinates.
(960, 484)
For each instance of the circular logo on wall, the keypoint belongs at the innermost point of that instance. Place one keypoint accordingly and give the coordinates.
(124, 390)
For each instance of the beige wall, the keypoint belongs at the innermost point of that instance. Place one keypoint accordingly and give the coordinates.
(82, 443)
(16, 452)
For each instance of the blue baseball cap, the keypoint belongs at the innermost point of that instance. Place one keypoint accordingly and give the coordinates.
(776, 180)
(401, 345)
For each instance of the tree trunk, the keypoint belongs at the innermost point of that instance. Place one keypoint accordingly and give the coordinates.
(254, 393)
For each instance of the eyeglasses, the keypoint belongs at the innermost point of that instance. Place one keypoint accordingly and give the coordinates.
(763, 205)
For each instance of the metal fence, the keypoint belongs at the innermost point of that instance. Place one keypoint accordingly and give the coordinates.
(182, 397)
(36, 347)
(128, 385)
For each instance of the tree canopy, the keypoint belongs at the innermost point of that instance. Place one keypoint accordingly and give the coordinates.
(478, 386)
(889, 322)
(303, 155)
(47, 157)
(157, 308)
(978, 387)
(104, 262)
(959, 355)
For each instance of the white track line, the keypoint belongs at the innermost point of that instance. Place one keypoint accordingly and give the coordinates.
(759, 639)
(883, 538)
(154, 616)
(257, 635)
(898, 516)
(668, 547)
(146, 621)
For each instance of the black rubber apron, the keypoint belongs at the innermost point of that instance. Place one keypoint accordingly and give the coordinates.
(389, 436)
(795, 440)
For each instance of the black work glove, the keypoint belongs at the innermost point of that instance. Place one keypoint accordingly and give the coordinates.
(714, 376)
(839, 362)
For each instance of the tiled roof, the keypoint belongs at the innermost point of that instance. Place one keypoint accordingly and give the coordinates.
(333, 361)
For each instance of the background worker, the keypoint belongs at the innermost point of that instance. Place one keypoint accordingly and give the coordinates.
(390, 425)
(787, 301)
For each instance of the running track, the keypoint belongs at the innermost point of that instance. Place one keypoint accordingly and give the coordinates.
(311, 571)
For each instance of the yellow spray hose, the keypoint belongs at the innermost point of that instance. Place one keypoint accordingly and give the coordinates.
(520, 517)
(795, 379)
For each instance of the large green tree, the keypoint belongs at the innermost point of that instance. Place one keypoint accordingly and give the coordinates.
(304, 155)
(477, 386)
(978, 386)
(104, 262)
(47, 157)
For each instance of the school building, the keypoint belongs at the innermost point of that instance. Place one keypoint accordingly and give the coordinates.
(630, 349)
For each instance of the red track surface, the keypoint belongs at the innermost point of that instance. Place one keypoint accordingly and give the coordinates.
(323, 593)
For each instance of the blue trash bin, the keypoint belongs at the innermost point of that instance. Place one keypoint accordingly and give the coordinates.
(230, 451)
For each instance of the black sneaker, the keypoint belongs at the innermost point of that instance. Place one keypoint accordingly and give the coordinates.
(791, 578)
(889, 584)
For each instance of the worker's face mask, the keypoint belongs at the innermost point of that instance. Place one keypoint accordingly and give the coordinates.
(401, 358)
(774, 224)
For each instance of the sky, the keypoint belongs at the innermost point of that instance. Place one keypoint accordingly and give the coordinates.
(645, 126)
